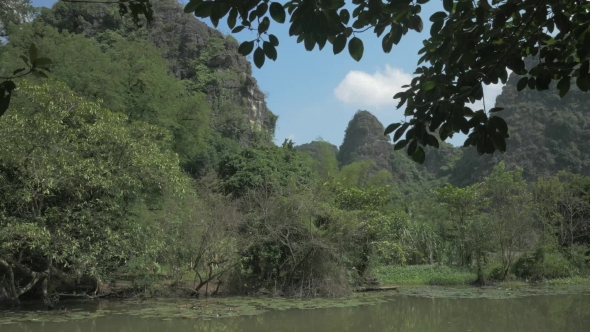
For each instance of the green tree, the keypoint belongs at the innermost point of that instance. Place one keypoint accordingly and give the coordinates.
(360, 173)
(128, 76)
(564, 206)
(509, 205)
(71, 174)
(199, 232)
(471, 44)
(467, 224)
(15, 12)
(323, 156)
(262, 167)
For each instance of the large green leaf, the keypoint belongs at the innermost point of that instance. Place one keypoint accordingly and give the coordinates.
(40, 62)
(419, 155)
(583, 83)
(264, 25)
(309, 41)
(277, 12)
(438, 16)
(269, 50)
(391, 128)
(32, 53)
(339, 43)
(232, 18)
(345, 16)
(246, 48)
(400, 131)
(564, 86)
(191, 6)
(274, 41)
(400, 145)
(428, 85)
(356, 48)
(448, 5)
(522, 83)
(259, 57)
(499, 123)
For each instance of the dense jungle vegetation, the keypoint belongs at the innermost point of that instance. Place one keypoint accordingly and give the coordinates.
(146, 163)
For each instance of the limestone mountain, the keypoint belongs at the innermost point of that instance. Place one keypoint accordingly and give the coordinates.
(175, 73)
(364, 139)
(547, 134)
(195, 52)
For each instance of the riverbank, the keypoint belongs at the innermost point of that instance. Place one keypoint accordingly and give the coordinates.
(386, 276)
(180, 309)
(427, 280)
(442, 275)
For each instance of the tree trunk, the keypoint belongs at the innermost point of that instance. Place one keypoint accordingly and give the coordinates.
(8, 287)
(216, 291)
(46, 297)
(507, 267)
(481, 279)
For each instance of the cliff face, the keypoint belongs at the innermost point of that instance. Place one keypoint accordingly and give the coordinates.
(186, 39)
(195, 52)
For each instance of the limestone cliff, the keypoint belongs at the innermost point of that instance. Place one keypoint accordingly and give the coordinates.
(195, 52)
(363, 140)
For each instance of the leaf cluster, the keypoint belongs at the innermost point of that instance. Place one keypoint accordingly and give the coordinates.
(471, 44)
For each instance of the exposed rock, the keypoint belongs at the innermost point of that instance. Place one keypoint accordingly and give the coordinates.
(221, 61)
(182, 38)
(363, 140)
(194, 36)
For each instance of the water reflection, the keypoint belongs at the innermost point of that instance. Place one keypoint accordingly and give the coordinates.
(569, 313)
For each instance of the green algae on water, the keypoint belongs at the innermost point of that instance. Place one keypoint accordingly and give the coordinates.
(492, 292)
(191, 309)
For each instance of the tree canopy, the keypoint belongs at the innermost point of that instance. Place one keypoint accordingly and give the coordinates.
(471, 44)
(152, 163)
(14, 11)
(71, 172)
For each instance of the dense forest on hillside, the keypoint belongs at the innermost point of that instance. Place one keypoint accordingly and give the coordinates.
(147, 160)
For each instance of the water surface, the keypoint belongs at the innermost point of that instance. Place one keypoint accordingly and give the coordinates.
(408, 313)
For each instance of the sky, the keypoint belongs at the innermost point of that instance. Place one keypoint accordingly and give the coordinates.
(315, 94)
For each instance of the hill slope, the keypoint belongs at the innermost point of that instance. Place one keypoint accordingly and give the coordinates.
(195, 53)
(547, 134)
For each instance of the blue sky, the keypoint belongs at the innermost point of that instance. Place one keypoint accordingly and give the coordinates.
(317, 93)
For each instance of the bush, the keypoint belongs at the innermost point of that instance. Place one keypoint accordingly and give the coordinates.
(423, 275)
(543, 265)
(495, 271)
(579, 256)
(231, 39)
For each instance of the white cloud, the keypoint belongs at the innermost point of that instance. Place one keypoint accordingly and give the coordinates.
(372, 91)
(291, 137)
(376, 90)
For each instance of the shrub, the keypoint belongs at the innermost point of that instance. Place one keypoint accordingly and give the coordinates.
(543, 265)
(423, 274)
(579, 256)
(495, 271)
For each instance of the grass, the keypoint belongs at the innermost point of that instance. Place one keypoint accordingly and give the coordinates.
(442, 275)
(424, 275)
(576, 280)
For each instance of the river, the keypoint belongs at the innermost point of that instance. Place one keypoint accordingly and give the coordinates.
(396, 312)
